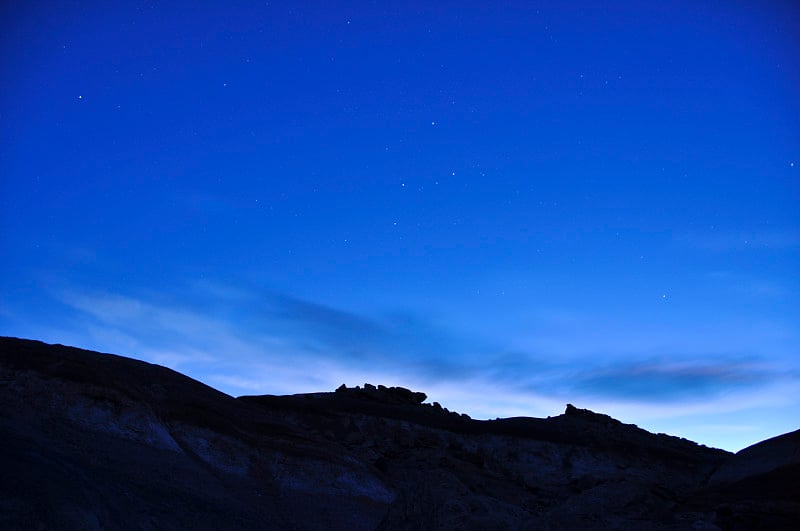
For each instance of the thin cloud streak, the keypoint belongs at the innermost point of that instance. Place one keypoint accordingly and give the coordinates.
(654, 381)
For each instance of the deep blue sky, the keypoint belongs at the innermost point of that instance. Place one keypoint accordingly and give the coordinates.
(508, 207)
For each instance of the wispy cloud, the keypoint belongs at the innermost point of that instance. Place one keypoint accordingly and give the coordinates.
(659, 380)
(338, 331)
(271, 341)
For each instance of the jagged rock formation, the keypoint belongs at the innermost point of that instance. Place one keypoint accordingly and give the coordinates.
(383, 394)
(97, 441)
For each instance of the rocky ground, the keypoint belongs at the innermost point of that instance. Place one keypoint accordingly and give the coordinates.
(97, 441)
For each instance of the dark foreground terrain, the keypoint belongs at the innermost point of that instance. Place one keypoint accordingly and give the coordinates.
(97, 441)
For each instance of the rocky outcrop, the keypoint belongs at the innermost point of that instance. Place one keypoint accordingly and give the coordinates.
(383, 394)
(97, 441)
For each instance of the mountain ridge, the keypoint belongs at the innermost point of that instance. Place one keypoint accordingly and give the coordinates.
(107, 442)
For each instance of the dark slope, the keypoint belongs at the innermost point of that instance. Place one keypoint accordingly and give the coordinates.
(97, 441)
(759, 487)
(101, 441)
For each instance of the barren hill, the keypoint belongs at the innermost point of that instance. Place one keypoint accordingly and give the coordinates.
(98, 441)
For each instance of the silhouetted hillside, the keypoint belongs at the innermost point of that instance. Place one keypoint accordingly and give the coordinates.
(98, 441)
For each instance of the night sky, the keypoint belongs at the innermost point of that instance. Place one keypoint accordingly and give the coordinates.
(509, 206)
